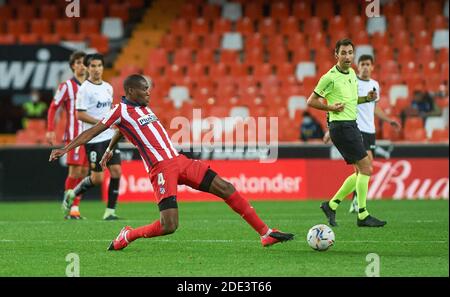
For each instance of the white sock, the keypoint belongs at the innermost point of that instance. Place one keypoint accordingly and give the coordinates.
(267, 233)
(108, 212)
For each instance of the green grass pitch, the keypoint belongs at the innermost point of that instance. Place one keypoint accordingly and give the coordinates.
(214, 241)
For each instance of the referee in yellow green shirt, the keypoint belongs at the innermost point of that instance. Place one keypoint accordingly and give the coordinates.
(339, 87)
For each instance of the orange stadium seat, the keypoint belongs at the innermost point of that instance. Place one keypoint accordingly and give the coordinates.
(50, 39)
(337, 22)
(119, 11)
(433, 83)
(30, 38)
(279, 10)
(284, 70)
(390, 133)
(444, 72)
(254, 41)
(253, 10)
(356, 23)
(348, 9)
(211, 11)
(218, 70)
(254, 56)
(95, 11)
(169, 42)
(16, 27)
(400, 39)
(200, 26)
(245, 26)
(289, 26)
(391, 8)
(7, 39)
(413, 123)
(396, 23)
(262, 70)
(238, 70)
(179, 27)
(267, 27)
(317, 40)
(158, 57)
(205, 56)
(416, 23)
(191, 41)
(301, 54)
(183, 57)
(278, 56)
(439, 135)
(301, 10)
(189, 11)
(40, 26)
(49, 12)
(412, 8)
(64, 27)
(221, 26)
(384, 53)
(425, 54)
(313, 25)
(99, 42)
(325, 9)
(229, 56)
(416, 135)
(89, 26)
(437, 22)
(6, 12)
(296, 41)
(433, 9)
(360, 37)
(275, 42)
(212, 41)
(26, 12)
(336, 35)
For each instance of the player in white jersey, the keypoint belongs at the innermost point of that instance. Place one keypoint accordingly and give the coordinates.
(95, 98)
(367, 112)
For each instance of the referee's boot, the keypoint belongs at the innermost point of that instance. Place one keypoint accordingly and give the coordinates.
(329, 213)
(370, 221)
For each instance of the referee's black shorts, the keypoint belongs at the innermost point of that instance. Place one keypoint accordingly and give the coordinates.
(348, 140)
(95, 153)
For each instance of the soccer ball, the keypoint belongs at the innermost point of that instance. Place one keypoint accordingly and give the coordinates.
(320, 237)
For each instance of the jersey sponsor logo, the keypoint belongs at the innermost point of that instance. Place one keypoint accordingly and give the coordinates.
(103, 104)
(147, 119)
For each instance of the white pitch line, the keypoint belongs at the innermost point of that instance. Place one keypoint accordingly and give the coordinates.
(217, 241)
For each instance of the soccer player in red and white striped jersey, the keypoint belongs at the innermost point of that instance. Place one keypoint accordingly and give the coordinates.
(165, 166)
(65, 97)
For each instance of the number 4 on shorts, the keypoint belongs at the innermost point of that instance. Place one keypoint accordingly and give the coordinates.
(161, 180)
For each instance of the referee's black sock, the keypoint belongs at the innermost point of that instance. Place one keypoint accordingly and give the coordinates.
(113, 192)
(83, 186)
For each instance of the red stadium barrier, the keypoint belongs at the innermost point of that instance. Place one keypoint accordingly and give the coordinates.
(301, 179)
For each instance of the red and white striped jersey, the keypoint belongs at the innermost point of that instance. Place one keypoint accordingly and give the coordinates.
(142, 128)
(66, 96)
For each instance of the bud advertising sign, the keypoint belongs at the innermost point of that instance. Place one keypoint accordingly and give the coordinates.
(300, 179)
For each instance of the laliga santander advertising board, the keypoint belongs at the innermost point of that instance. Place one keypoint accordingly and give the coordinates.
(301, 179)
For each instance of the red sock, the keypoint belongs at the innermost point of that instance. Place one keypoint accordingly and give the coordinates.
(70, 184)
(247, 212)
(152, 230)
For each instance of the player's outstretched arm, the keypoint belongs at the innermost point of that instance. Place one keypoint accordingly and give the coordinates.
(383, 116)
(112, 144)
(85, 117)
(79, 140)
